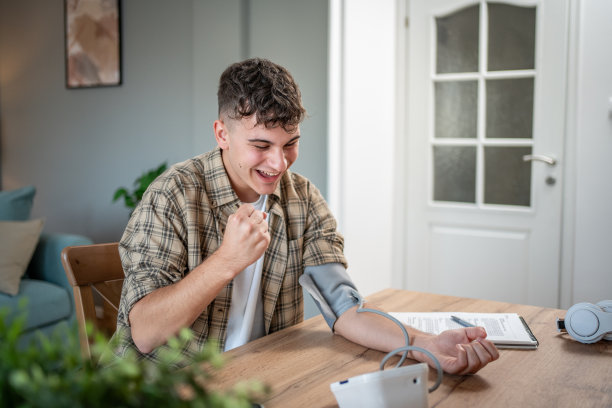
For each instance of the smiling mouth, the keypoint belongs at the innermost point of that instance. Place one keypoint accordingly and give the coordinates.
(267, 175)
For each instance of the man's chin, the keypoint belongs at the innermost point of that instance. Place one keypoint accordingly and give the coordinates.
(266, 188)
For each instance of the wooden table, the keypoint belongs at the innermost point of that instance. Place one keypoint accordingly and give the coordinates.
(301, 362)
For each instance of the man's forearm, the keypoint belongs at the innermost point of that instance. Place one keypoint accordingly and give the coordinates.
(373, 331)
(162, 313)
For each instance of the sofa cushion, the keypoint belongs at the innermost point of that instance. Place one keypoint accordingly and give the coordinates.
(18, 240)
(16, 205)
(47, 303)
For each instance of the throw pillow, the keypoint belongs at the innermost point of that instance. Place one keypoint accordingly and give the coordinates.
(18, 240)
(15, 205)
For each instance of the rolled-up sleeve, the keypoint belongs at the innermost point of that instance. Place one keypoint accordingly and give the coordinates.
(152, 253)
(322, 242)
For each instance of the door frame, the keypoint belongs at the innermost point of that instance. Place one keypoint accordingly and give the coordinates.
(568, 216)
(386, 240)
(363, 115)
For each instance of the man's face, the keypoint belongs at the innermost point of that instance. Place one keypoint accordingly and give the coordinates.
(255, 157)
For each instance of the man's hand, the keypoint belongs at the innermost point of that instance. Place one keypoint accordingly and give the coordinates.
(246, 237)
(459, 351)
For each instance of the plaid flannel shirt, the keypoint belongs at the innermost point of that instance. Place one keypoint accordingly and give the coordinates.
(180, 222)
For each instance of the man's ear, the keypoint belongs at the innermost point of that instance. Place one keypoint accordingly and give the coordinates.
(221, 134)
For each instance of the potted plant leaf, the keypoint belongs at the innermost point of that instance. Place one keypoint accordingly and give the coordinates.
(132, 197)
(52, 372)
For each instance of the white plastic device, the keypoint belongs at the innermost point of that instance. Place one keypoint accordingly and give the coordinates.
(394, 388)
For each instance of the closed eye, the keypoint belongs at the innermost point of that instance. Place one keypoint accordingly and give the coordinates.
(260, 144)
(293, 141)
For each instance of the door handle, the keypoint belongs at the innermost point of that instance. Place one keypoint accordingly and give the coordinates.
(540, 157)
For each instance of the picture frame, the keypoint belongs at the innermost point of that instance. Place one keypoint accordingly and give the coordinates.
(92, 43)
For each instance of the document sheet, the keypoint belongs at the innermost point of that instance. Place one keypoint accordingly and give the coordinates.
(505, 330)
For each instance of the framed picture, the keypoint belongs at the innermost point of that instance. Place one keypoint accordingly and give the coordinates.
(93, 43)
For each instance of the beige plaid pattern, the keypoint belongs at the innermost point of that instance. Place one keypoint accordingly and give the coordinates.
(180, 222)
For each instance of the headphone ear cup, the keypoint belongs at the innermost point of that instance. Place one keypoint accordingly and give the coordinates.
(606, 305)
(582, 323)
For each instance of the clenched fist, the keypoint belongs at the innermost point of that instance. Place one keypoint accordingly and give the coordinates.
(246, 237)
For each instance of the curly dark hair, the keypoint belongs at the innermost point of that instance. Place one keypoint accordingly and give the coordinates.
(261, 87)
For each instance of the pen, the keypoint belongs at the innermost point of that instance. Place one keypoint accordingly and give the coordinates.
(461, 321)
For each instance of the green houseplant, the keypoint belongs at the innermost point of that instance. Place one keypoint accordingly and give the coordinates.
(132, 197)
(53, 373)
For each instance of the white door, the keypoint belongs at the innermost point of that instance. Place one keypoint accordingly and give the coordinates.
(485, 129)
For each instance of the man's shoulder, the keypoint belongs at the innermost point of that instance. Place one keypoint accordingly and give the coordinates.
(296, 179)
(295, 186)
(201, 164)
(189, 173)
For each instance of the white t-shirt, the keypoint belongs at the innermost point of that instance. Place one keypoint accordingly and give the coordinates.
(246, 321)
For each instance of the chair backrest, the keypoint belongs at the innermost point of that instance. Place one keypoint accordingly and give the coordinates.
(96, 276)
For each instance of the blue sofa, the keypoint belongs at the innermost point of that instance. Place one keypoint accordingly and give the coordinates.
(50, 302)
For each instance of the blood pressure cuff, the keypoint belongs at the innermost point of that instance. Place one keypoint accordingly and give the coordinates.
(331, 288)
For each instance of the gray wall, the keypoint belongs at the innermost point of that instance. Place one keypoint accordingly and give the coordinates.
(78, 146)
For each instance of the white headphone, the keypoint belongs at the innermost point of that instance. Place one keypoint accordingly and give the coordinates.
(588, 322)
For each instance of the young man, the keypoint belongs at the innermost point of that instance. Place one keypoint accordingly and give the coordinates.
(219, 242)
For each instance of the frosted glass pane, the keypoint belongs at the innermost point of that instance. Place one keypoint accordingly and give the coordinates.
(511, 37)
(507, 176)
(509, 108)
(456, 109)
(455, 173)
(457, 41)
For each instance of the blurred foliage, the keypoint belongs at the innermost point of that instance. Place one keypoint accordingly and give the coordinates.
(51, 372)
(133, 197)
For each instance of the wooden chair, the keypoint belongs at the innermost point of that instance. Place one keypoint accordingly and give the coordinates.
(95, 272)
